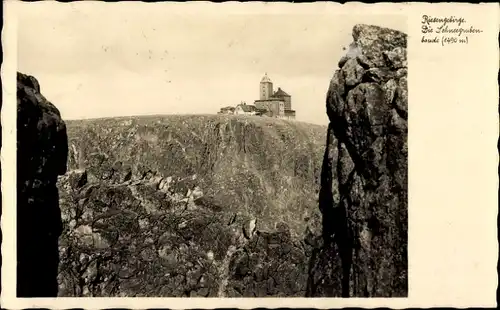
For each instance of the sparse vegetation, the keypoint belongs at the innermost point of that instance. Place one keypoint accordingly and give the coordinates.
(160, 206)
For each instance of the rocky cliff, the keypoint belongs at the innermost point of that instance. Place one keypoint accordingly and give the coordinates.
(363, 197)
(190, 206)
(42, 151)
(223, 206)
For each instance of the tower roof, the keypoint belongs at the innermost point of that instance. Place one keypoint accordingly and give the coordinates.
(281, 93)
(266, 79)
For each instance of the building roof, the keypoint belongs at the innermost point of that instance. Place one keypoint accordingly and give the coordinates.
(261, 111)
(281, 93)
(269, 100)
(265, 79)
(247, 107)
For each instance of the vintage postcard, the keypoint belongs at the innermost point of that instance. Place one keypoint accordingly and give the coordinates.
(209, 155)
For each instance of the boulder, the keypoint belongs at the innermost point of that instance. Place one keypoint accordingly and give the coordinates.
(363, 196)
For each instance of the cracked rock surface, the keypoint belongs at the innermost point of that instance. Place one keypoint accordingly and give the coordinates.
(363, 196)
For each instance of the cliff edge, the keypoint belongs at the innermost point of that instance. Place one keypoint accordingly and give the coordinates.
(42, 149)
(364, 192)
(190, 205)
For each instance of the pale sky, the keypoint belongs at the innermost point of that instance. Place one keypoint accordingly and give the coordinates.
(119, 59)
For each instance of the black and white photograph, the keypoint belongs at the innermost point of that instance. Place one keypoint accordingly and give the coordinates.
(165, 155)
(247, 154)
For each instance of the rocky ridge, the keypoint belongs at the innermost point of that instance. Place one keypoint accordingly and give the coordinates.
(363, 195)
(189, 206)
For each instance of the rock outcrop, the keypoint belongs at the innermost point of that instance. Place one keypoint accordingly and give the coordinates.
(172, 206)
(363, 196)
(42, 149)
(223, 206)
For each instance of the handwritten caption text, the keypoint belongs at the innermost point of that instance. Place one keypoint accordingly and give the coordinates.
(446, 30)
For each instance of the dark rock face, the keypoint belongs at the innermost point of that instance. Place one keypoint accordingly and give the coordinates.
(42, 149)
(363, 196)
(186, 206)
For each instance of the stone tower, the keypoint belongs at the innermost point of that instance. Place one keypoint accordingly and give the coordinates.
(266, 88)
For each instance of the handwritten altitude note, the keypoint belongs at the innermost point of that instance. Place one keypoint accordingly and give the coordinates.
(447, 30)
